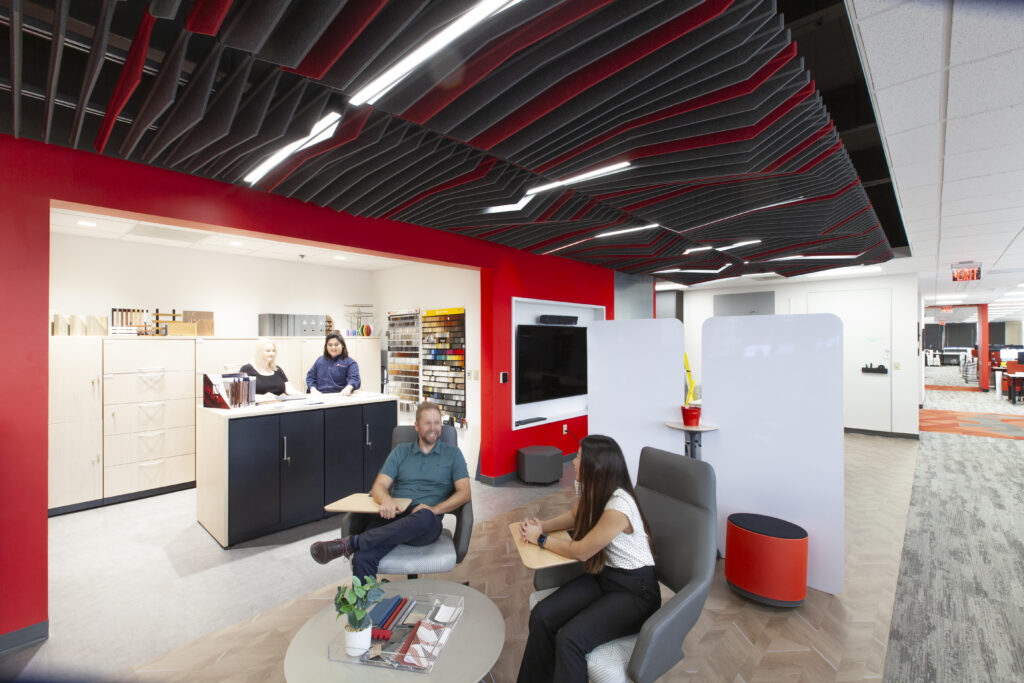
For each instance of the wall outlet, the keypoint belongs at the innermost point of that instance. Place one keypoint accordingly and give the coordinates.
(895, 366)
(565, 429)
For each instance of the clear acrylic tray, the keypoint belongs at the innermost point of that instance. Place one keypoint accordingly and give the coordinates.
(416, 643)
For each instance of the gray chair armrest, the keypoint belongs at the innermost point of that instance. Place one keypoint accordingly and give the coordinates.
(553, 577)
(463, 529)
(353, 523)
(659, 646)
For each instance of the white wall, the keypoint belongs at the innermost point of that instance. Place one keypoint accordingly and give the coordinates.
(89, 276)
(903, 381)
(430, 287)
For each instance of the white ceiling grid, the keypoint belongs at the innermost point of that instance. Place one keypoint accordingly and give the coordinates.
(947, 78)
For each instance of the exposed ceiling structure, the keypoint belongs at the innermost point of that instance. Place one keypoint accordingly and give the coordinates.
(947, 79)
(705, 147)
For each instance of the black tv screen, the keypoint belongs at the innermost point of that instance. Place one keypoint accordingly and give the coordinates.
(551, 362)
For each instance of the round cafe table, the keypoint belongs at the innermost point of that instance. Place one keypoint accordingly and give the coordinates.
(471, 650)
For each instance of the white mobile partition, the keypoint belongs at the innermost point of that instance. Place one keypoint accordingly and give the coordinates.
(635, 382)
(774, 387)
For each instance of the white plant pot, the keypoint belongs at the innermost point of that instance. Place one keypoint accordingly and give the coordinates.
(357, 642)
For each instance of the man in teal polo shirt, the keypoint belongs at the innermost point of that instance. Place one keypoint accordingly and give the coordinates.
(432, 473)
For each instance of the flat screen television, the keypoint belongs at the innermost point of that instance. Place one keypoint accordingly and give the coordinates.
(551, 362)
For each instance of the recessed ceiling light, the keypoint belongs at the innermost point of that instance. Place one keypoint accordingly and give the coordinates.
(738, 244)
(623, 232)
(87, 224)
(339, 258)
(236, 244)
(668, 286)
(322, 130)
(390, 78)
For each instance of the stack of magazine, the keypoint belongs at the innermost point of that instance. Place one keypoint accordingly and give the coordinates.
(419, 625)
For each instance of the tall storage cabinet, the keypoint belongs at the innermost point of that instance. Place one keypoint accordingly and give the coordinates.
(148, 414)
(75, 421)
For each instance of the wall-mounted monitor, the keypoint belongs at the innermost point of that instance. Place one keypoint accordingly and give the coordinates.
(551, 362)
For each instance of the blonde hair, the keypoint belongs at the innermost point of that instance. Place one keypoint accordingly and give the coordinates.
(257, 356)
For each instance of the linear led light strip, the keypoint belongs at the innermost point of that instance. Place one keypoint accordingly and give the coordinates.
(693, 270)
(816, 257)
(390, 78)
(572, 180)
(694, 250)
(322, 130)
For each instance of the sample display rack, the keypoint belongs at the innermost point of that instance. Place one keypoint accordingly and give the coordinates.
(404, 356)
(444, 360)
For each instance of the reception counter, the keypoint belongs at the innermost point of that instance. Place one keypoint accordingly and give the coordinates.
(263, 468)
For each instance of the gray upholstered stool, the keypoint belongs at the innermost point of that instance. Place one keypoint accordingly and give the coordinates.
(539, 464)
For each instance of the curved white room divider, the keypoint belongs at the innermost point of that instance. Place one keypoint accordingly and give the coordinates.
(635, 382)
(773, 384)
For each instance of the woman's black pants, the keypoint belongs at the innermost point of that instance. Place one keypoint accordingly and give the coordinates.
(589, 610)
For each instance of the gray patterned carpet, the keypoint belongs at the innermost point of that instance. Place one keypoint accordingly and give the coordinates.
(959, 608)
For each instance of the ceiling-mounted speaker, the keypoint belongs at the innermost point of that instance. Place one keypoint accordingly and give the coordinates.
(557, 319)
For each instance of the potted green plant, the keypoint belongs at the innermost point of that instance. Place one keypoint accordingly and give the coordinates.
(357, 602)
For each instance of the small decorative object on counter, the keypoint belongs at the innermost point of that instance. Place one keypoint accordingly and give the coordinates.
(356, 603)
(691, 414)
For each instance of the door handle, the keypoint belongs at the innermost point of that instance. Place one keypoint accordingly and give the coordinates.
(368, 444)
(286, 459)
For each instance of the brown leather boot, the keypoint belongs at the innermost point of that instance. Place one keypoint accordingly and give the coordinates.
(325, 551)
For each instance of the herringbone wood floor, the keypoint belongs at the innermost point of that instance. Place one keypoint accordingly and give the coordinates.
(830, 638)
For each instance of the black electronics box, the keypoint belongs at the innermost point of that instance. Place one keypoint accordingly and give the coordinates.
(557, 319)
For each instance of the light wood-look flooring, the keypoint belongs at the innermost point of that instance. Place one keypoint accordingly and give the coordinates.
(830, 638)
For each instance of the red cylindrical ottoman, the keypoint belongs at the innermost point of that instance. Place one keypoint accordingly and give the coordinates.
(766, 559)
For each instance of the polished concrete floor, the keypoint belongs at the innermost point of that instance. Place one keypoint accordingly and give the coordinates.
(130, 581)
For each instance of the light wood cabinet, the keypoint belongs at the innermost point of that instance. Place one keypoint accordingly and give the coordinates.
(75, 447)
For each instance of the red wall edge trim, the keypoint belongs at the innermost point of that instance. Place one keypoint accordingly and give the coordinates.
(206, 16)
(128, 80)
(34, 174)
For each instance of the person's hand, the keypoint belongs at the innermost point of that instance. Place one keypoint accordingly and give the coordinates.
(389, 508)
(522, 526)
(347, 391)
(422, 506)
(531, 530)
(314, 390)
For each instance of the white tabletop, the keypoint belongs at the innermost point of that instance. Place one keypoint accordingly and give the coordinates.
(471, 651)
(688, 428)
(312, 402)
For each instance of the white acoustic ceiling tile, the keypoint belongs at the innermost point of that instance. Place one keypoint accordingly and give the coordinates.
(915, 146)
(984, 162)
(1008, 228)
(992, 83)
(920, 213)
(986, 130)
(916, 175)
(983, 29)
(904, 44)
(867, 8)
(910, 105)
(919, 196)
(926, 225)
(983, 186)
(982, 218)
(956, 207)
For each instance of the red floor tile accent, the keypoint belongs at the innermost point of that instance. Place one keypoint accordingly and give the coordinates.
(955, 422)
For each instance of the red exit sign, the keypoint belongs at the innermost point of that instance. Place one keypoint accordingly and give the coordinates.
(966, 274)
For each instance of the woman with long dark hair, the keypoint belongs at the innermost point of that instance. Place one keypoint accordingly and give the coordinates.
(334, 372)
(619, 590)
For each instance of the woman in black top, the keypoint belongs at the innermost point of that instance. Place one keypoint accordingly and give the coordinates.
(270, 379)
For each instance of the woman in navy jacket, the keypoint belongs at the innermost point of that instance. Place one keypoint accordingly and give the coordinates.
(335, 372)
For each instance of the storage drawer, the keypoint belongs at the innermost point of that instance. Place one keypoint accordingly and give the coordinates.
(147, 387)
(120, 449)
(148, 355)
(123, 418)
(152, 474)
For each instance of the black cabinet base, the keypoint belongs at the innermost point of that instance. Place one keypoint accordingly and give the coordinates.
(114, 500)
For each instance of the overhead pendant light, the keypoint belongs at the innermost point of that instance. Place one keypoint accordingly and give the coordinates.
(627, 230)
(322, 130)
(479, 12)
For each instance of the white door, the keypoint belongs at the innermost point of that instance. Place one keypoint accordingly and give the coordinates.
(867, 340)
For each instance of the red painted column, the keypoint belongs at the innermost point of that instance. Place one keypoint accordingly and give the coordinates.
(983, 363)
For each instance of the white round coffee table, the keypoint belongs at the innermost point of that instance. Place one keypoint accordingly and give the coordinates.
(471, 651)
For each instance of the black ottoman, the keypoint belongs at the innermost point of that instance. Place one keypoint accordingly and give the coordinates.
(539, 464)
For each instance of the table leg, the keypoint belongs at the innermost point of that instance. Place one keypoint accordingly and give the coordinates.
(694, 438)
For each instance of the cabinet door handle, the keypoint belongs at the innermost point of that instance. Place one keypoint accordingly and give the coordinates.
(370, 445)
(286, 459)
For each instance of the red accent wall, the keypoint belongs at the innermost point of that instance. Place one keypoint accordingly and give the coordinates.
(31, 174)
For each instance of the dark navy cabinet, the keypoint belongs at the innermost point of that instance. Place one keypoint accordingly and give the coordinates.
(357, 440)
